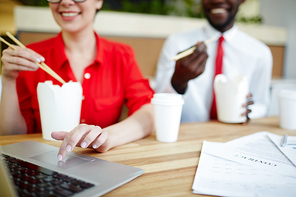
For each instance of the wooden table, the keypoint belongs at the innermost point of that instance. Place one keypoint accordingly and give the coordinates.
(169, 167)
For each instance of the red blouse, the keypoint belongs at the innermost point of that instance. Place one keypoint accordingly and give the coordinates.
(112, 80)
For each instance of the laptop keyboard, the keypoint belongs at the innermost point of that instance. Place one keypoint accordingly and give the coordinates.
(33, 180)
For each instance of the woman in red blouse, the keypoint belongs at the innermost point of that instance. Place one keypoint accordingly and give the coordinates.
(107, 71)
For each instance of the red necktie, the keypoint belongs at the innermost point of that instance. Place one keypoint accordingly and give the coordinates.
(218, 70)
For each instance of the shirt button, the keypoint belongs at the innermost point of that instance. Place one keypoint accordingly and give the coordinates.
(82, 120)
(86, 75)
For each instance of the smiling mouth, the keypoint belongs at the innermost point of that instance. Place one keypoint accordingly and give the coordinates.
(69, 14)
(218, 11)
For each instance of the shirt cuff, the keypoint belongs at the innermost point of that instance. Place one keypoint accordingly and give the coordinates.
(170, 89)
(258, 111)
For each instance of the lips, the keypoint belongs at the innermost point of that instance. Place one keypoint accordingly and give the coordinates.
(218, 11)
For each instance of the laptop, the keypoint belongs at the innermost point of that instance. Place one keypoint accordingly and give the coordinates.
(31, 168)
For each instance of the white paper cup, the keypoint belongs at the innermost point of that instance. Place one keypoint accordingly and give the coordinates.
(60, 107)
(287, 109)
(167, 115)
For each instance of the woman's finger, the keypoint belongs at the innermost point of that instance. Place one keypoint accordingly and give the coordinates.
(91, 137)
(73, 138)
(21, 59)
(27, 54)
(101, 139)
(59, 135)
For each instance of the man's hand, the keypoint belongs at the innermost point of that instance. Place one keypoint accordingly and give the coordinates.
(249, 102)
(189, 68)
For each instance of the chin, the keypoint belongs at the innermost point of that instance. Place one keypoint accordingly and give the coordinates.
(222, 24)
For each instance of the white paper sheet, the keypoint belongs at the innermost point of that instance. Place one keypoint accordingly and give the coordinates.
(218, 176)
(258, 151)
(289, 150)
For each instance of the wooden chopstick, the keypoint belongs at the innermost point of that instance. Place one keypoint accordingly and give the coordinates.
(190, 51)
(41, 65)
(15, 40)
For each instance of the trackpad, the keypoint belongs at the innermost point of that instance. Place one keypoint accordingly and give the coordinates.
(51, 158)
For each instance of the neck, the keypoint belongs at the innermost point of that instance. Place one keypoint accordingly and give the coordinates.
(81, 50)
(222, 30)
(82, 42)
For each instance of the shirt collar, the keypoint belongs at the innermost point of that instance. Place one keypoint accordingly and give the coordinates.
(228, 35)
(101, 47)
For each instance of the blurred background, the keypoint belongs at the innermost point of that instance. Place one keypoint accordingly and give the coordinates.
(261, 12)
(249, 12)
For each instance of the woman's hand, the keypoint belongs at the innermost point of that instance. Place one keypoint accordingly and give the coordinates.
(20, 59)
(249, 102)
(84, 136)
(14, 61)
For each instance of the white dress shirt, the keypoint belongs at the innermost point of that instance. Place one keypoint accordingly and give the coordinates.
(243, 55)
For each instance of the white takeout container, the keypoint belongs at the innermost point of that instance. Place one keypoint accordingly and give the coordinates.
(59, 107)
(231, 94)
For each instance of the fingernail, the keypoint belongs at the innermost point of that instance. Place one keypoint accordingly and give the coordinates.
(60, 157)
(42, 59)
(95, 146)
(38, 60)
(36, 66)
(83, 144)
(68, 148)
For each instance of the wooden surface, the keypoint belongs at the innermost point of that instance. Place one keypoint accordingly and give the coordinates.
(169, 168)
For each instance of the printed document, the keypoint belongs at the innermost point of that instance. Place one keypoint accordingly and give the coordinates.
(218, 176)
(258, 151)
(289, 150)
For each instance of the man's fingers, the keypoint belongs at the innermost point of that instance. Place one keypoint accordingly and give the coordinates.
(247, 120)
(198, 65)
(247, 112)
(250, 102)
(201, 47)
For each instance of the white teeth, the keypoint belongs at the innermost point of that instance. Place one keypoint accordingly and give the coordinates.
(218, 11)
(69, 14)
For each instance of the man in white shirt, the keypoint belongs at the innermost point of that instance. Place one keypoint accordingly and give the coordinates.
(193, 75)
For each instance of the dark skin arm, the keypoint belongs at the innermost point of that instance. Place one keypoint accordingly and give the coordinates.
(189, 68)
